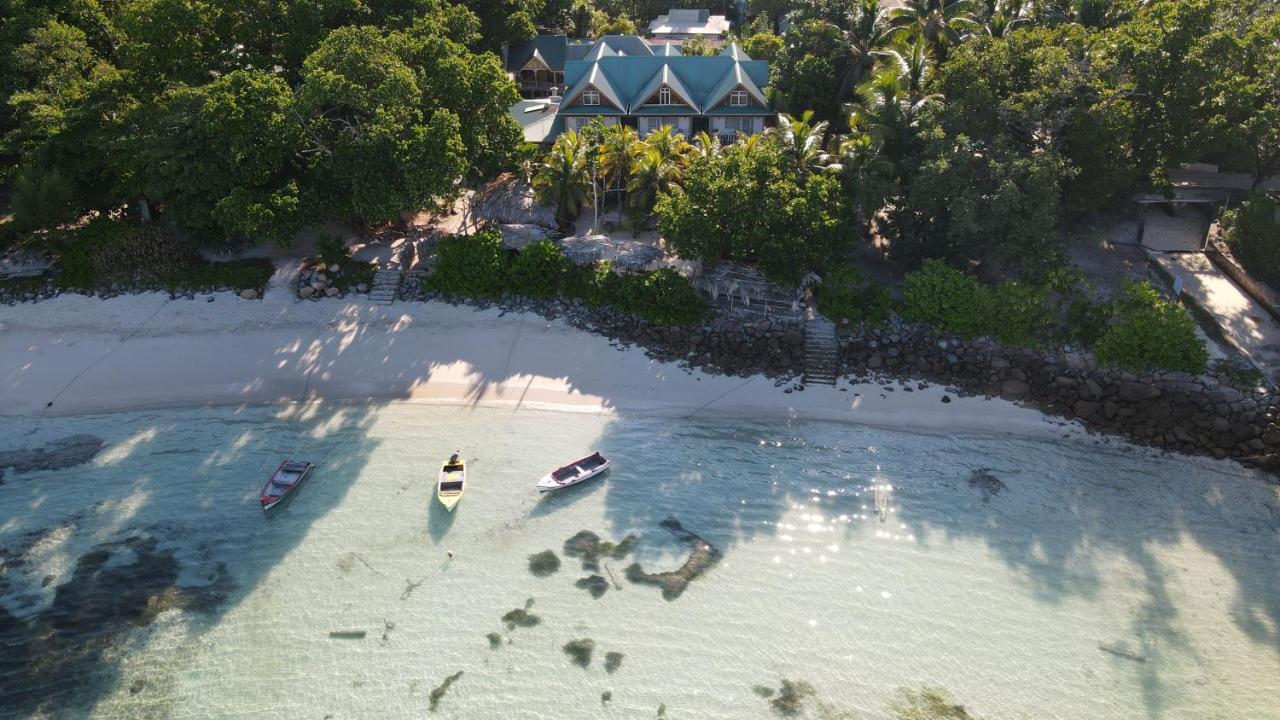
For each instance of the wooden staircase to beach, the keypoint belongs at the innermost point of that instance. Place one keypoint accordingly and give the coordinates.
(821, 351)
(386, 284)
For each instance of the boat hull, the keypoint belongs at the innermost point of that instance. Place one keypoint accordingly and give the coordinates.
(549, 482)
(451, 484)
(276, 491)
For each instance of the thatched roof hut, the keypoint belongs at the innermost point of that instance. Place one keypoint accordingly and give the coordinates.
(516, 237)
(509, 201)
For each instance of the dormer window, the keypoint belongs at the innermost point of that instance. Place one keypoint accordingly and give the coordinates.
(738, 98)
(664, 96)
(591, 97)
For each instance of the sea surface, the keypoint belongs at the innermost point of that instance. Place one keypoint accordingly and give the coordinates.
(817, 569)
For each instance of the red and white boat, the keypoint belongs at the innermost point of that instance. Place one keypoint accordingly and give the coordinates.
(284, 481)
(578, 471)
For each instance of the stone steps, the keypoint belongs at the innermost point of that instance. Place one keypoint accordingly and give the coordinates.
(386, 284)
(821, 352)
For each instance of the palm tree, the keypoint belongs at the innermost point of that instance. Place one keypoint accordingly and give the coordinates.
(706, 145)
(801, 141)
(866, 172)
(671, 146)
(616, 154)
(888, 101)
(998, 19)
(562, 179)
(654, 173)
(888, 108)
(944, 23)
(915, 63)
(864, 34)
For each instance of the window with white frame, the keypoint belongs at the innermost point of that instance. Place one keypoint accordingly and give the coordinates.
(738, 124)
(738, 98)
(664, 96)
(591, 97)
(650, 125)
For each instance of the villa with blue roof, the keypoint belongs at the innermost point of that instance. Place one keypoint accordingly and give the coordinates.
(624, 79)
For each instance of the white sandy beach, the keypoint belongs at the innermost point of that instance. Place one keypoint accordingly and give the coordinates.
(86, 355)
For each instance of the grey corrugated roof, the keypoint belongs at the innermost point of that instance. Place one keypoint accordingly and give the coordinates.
(550, 47)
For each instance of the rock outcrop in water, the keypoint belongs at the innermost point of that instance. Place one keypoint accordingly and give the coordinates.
(930, 703)
(67, 452)
(702, 555)
(594, 584)
(115, 587)
(789, 700)
(439, 692)
(590, 547)
(521, 617)
(580, 651)
(989, 484)
(544, 564)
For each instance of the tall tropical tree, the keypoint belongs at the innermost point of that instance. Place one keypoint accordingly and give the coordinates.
(915, 62)
(801, 141)
(887, 108)
(671, 146)
(659, 169)
(944, 23)
(617, 152)
(706, 145)
(562, 180)
(866, 173)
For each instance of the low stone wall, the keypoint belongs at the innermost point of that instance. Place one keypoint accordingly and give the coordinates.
(1176, 411)
(1197, 414)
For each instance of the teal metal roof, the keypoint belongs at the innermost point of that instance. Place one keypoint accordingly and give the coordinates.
(704, 79)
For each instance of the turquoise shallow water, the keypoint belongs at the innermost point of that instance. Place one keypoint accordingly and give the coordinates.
(1070, 580)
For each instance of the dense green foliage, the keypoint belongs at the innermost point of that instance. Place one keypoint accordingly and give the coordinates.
(846, 295)
(1138, 330)
(970, 202)
(1150, 332)
(478, 266)
(952, 301)
(471, 265)
(104, 252)
(539, 269)
(752, 203)
(1253, 234)
(252, 118)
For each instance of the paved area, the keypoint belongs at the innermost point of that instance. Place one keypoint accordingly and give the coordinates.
(1246, 323)
(1182, 231)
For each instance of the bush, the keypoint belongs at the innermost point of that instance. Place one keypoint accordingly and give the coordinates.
(471, 265)
(237, 275)
(595, 284)
(1013, 313)
(77, 251)
(331, 250)
(663, 297)
(846, 295)
(142, 254)
(1150, 332)
(477, 266)
(539, 270)
(1253, 234)
(944, 297)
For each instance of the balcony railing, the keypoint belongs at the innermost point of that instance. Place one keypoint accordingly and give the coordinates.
(728, 137)
(538, 88)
